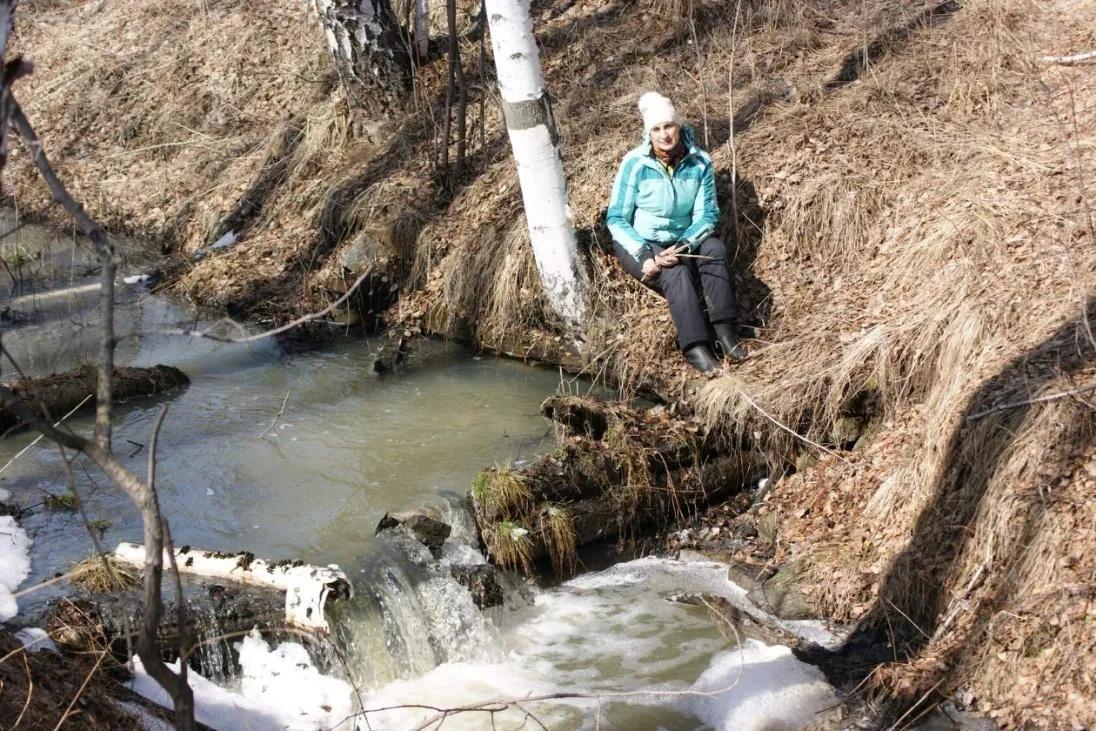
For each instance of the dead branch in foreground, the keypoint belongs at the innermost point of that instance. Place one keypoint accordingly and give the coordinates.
(98, 449)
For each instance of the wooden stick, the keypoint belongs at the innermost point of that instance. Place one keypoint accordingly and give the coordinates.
(276, 416)
(39, 437)
(1070, 60)
(1028, 402)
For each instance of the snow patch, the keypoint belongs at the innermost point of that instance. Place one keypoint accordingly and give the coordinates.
(35, 639)
(14, 564)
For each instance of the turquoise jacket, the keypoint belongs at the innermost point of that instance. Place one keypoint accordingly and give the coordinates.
(648, 204)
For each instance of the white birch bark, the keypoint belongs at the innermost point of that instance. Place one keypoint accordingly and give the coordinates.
(540, 171)
(362, 36)
(307, 588)
(422, 28)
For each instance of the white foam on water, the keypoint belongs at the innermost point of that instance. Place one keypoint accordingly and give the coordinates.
(214, 706)
(280, 689)
(613, 632)
(618, 631)
(454, 685)
(459, 553)
(760, 688)
(284, 681)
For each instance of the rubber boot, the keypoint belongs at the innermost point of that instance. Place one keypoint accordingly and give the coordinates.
(728, 343)
(701, 357)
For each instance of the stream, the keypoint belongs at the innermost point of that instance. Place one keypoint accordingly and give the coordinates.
(298, 456)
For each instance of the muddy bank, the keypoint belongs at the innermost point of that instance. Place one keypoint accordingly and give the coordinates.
(58, 394)
(42, 688)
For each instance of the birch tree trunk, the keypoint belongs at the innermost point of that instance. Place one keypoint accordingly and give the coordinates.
(422, 28)
(364, 37)
(540, 172)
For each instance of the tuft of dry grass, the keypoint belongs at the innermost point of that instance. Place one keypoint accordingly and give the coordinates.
(557, 531)
(502, 489)
(92, 575)
(512, 546)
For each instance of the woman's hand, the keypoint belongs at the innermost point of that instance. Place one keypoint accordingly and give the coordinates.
(651, 267)
(667, 258)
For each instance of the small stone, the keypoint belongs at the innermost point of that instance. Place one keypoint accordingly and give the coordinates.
(782, 596)
(482, 583)
(429, 531)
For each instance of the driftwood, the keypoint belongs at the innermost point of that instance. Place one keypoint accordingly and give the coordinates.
(60, 393)
(618, 473)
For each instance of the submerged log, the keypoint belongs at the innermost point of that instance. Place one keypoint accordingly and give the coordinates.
(217, 617)
(619, 472)
(60, 393)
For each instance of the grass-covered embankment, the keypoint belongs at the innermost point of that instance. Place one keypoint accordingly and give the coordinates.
(908, 195)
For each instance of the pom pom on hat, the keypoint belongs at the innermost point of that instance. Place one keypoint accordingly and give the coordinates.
(657, 109)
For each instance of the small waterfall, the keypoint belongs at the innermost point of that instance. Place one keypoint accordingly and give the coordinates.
(410, 615)
(217, 617)
(214, 656)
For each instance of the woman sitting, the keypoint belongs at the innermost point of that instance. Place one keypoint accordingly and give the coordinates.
(662, 216)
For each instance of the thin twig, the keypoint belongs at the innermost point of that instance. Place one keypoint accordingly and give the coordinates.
(907, 618)
(39, 437)
(80, 691)
(180, 605)
(30, 691)
(276, 416)
(207, 334)
(699, 71)
(915, 705)
(791, 431)
(1028, 402)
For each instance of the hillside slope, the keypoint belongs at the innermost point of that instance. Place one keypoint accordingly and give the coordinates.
(908, 190)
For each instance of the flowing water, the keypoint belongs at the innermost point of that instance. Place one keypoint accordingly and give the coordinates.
(299, 456)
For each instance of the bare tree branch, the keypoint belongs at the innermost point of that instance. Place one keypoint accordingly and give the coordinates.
(147, 646)
(98, 449)
(104, 247)
(1028, 402)
(209, 333)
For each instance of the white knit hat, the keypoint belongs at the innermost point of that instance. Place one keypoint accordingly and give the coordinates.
(657, 109)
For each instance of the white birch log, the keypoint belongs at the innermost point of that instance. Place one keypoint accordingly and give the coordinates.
(422, 28)
(540, 172)
(307, 588)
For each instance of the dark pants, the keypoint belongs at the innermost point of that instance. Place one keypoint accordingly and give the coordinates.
(679, 285)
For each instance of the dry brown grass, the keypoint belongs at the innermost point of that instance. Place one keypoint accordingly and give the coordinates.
(909, 236)
(501, 490)
(557, 532)
(512, 547)
(91, 574)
